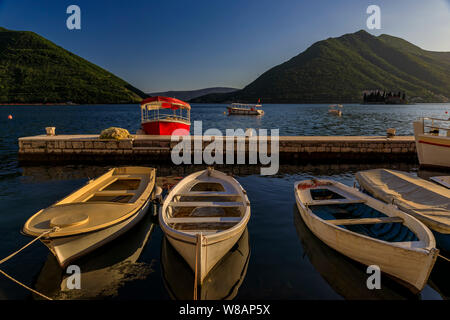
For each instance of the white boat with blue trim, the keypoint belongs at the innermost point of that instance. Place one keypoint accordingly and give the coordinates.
(203, 217)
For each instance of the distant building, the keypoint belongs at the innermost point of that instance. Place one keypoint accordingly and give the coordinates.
(384, 97)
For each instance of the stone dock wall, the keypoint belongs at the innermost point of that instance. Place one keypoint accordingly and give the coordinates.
(147, 149)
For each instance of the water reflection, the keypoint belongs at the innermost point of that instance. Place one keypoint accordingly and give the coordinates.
(104, 271)
(223, 281)
(71, 172)
(347, 277)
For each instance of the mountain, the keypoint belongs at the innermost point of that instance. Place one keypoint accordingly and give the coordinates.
(35, 70)
(191, 94)
(338, 70)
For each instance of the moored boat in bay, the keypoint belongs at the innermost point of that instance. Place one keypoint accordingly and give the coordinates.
(165, 116)
(222, 282)
(432, 137)
(367, 230)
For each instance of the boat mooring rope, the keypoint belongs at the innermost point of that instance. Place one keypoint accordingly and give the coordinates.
(25, 286)
(21, 249)
(445, 258)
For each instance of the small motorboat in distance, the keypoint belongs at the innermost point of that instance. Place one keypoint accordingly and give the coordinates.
(97, 213)
(333, 110)
(425, 200)
(245, 109)
(203, 217)
(162, 116)
(368, 230)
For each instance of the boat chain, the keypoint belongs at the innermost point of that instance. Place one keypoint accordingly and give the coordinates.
(55, 229)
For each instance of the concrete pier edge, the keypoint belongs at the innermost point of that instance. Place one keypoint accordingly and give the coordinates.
(43, 149)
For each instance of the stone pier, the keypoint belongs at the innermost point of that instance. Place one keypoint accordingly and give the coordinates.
(75, 149)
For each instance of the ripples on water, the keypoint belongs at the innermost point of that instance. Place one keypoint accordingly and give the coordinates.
(285, 261)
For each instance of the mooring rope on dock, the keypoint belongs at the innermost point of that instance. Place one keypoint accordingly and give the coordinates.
(20, 250)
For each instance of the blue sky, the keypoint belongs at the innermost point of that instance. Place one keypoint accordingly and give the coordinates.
(191, 44)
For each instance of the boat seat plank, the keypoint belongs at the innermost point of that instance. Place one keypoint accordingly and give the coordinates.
(341, 222)
(206, 204)
(335, 201)
(203, 219)
(207, 194)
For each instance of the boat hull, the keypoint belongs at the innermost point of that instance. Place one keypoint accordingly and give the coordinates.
(71, 248)
(346, 277)
(432, 151)
(202, 247)
(411, 267)
(442, 241)
(165, 127)
(428, 216)
(249, 112)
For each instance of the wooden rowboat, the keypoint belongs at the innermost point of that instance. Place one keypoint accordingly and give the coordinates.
(97, 213)
(221, 283)
(367, 230)
(203, 216)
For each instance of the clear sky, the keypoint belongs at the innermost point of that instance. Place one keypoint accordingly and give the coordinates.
(192, 44)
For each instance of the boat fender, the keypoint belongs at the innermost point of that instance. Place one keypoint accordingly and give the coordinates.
(158, 193)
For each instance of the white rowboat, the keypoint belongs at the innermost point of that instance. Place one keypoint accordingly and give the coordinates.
(422, 199)
(432, 138)
(367, 230)
(203, 216)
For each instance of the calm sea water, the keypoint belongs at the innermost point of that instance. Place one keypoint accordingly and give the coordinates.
(277, 259)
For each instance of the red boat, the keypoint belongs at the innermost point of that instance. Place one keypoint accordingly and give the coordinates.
(162, 116)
